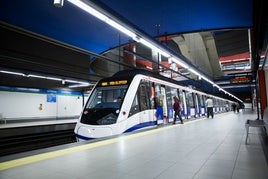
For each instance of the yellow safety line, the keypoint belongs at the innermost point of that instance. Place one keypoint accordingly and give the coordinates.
(39, 157)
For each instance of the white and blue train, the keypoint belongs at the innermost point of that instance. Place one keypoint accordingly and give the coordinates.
(137, 99)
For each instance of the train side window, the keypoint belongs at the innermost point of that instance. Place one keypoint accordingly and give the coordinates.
(158, 98)
(202, 101)
(169, 96)
(190, 99)
(143, 93)
(152, 96)
(197, 101)
(142, 98)
(134, 107)
(180, 94)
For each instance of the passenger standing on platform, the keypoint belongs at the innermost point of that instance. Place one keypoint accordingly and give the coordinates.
(177, 110)
(209, 104)
(237, 107)
(234, 106)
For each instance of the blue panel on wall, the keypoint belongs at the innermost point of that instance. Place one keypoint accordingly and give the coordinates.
(51, 98)
(43, 91)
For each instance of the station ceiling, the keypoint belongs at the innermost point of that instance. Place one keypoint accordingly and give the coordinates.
(218, 37)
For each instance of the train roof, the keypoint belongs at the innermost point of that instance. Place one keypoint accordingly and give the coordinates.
(131, 73)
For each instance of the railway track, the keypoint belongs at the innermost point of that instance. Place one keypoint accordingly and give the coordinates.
(23, 143)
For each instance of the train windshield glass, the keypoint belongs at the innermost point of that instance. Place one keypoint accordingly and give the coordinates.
(103, 106)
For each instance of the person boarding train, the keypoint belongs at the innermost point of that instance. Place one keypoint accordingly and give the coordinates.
(177, 110)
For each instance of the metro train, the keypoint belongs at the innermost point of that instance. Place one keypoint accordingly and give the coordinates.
(131, 100)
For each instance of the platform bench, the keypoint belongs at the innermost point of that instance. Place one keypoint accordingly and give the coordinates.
(263, 123)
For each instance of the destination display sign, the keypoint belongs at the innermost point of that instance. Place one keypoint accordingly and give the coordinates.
(240, 79)
(114, 83)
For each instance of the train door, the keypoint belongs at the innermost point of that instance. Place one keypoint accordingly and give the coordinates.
(158, 104)
(191, 106)
(220, 105)
(205, 99)
(170, 101)
(164, 104)
(215, 108)
(144, 94)
(215, 103)
(197, 105)
(202, 105)
(183, 99)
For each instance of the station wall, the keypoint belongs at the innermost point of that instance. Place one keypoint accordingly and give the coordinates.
(31, 105)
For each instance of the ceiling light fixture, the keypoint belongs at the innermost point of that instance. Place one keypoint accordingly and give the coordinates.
(12, 73)
(58, 3)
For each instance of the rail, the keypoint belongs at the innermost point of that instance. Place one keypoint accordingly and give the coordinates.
(23, 143)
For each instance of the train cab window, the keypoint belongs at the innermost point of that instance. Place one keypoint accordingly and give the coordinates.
(106, 97)
(103, 106)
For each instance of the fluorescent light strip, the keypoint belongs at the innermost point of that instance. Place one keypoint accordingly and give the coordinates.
(74, 81)
(108, 20)
(153, 47)
(45, 77)
(12, 73)
(194, 71)
(178, 61)
(96, 13)
(80, 83)
(102, 17)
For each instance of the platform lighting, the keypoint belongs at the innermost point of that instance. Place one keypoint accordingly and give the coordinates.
(108, 18)
(176, 60)
(44, 77)
(58, 3)
(12, 73)
(194, 71)
(74, 81)
(81, 83)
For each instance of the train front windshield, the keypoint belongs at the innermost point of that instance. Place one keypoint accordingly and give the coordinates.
(103, 105)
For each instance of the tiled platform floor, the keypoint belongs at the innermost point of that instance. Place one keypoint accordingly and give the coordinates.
(201, 149)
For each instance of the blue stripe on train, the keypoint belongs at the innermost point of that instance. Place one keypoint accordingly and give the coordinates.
(141, 125)
(83, 137)
(133, 128)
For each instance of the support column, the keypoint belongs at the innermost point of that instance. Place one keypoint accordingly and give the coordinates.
(128, 57)
(156, 57)
(262, 89)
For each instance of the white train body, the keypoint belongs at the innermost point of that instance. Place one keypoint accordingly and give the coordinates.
(147, 101)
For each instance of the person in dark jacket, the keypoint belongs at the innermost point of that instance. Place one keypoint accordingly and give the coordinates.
(177, 110)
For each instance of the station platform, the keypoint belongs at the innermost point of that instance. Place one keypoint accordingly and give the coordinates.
(200, 149)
